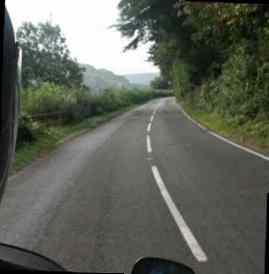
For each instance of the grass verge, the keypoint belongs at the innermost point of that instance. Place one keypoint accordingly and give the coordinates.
(253, 134)
(55, 136)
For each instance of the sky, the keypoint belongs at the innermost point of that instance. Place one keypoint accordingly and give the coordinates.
(85, 24)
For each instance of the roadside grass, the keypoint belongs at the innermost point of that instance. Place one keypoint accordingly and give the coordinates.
(253, 134)
(54, 136)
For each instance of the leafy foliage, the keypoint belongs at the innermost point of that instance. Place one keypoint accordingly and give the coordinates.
(160, 84)
(51, 104)
(216, 55)
(46, 57)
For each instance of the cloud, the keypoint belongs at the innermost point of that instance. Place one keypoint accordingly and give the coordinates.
(85, 24)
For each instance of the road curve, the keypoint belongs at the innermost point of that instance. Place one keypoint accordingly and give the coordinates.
(148, 183)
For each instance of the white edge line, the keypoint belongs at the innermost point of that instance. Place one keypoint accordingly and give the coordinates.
(195, 122)
(262, 156)
(152, 118)
(266, 158)
(188, 236)
(149, 148)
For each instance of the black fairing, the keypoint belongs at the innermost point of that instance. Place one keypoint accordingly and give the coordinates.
(8, 101)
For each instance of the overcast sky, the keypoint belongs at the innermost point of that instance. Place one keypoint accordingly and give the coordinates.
(85, 24)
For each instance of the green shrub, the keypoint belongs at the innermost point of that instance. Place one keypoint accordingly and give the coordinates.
(28, 130)
(49, 104)
(240, 92)
(182, 84)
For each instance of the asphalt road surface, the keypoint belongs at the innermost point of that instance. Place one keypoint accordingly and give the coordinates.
(148, 183)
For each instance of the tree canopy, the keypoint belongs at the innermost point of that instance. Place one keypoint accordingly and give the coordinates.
(217, 51)
(46, 57)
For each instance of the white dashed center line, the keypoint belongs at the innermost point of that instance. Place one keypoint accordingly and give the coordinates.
(149, 128)
(193, 244)
(188, 236)
(149, 148)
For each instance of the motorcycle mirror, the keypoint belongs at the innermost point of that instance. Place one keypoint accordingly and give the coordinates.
(160, 266)
(15, 258)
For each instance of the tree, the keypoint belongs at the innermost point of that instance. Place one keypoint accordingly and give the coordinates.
(170, 26)
(46, 57)
(160, 83)
(147, 20)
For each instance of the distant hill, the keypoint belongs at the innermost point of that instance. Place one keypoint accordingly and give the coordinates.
(142, 79)
(100, 79)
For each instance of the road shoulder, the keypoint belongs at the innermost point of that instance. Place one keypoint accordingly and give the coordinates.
(224, 132)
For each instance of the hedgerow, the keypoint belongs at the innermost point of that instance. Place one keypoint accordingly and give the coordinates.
(51, 104)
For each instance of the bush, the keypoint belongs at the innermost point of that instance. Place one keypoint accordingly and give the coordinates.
(240, 92)
(159, 83)
(28, 130)
(182, 84)
(50, 103)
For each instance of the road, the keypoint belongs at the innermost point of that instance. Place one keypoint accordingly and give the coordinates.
(148, 183)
